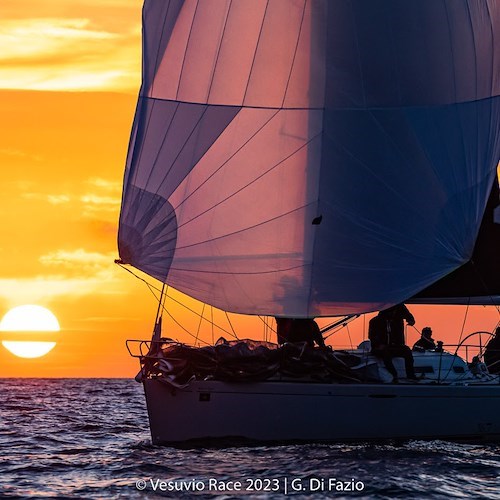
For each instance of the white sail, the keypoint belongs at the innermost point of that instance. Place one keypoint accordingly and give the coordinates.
(311, 157)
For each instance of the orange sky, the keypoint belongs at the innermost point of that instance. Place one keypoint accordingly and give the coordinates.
(69, 77)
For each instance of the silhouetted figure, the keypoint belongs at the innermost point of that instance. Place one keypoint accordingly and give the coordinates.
(299, 330)
(425, 342)
(386, 333)
(492, 353)
(283, 326)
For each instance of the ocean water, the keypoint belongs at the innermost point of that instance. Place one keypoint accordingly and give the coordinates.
(89, 438)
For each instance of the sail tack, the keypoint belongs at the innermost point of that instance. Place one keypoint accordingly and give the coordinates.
(311, 157)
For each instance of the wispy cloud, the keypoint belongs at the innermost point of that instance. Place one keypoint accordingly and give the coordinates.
(80, 260)
(53, 199)
(102, 200)
(16, 153)
(42, 289)
(67, 54)
(105, 184)
(73, 273)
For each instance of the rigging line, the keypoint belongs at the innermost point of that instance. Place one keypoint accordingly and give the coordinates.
(197, 314)
(231, 325)
(158, 311)
(270, 330)
(349, 335)
(151, 288)
(182, 327)
(212, 323)
(465, 319)
(199, 324)
(479, 275)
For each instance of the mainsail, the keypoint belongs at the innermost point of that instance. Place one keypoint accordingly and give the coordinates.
(311, 157)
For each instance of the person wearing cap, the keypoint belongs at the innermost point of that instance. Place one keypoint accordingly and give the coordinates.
(425, 342)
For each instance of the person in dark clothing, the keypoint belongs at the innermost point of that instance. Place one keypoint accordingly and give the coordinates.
(299, 330)
(386, 333)
(425, 342)
(492, 353)
(395, 317)
(283, 326)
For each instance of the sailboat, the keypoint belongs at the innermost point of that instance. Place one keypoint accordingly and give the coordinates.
(307, 159)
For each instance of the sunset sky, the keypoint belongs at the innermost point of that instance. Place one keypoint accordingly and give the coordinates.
(69, 77)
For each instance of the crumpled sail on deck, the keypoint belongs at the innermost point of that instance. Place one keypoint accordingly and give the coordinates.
(311, 157)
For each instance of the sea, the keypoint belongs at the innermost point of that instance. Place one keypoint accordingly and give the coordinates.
(89, 438)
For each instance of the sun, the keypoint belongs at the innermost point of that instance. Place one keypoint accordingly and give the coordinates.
(26, 319)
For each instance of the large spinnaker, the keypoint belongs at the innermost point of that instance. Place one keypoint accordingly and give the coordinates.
(314, 157)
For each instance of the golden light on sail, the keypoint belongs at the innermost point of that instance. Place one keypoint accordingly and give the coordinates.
(28, 319)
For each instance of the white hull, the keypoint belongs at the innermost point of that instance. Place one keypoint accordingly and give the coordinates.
(274, 411)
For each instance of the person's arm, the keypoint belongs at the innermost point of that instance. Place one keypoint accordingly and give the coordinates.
(408, 316)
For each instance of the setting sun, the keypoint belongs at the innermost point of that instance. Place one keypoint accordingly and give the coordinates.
(24, 349)
(24, 320)
(30, 318)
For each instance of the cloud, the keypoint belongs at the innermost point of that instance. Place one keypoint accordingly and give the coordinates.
(53, 199)
(76, 273)
(16, 153)
(80, 260)
(105, 184)
(42, 289)
(67, 54)
(104, 200)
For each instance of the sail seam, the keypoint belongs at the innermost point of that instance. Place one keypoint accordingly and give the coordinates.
(172, 120)
(163, 31)
(255, 54)
(226, 161)
(184, 57)
(249, 183)
(218, 50)
(195, 127)
(233, 273)
(294, 55)
(330, 106)
(244, 229)
(150, 91)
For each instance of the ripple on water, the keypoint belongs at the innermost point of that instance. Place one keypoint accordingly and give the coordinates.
(63, 438)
